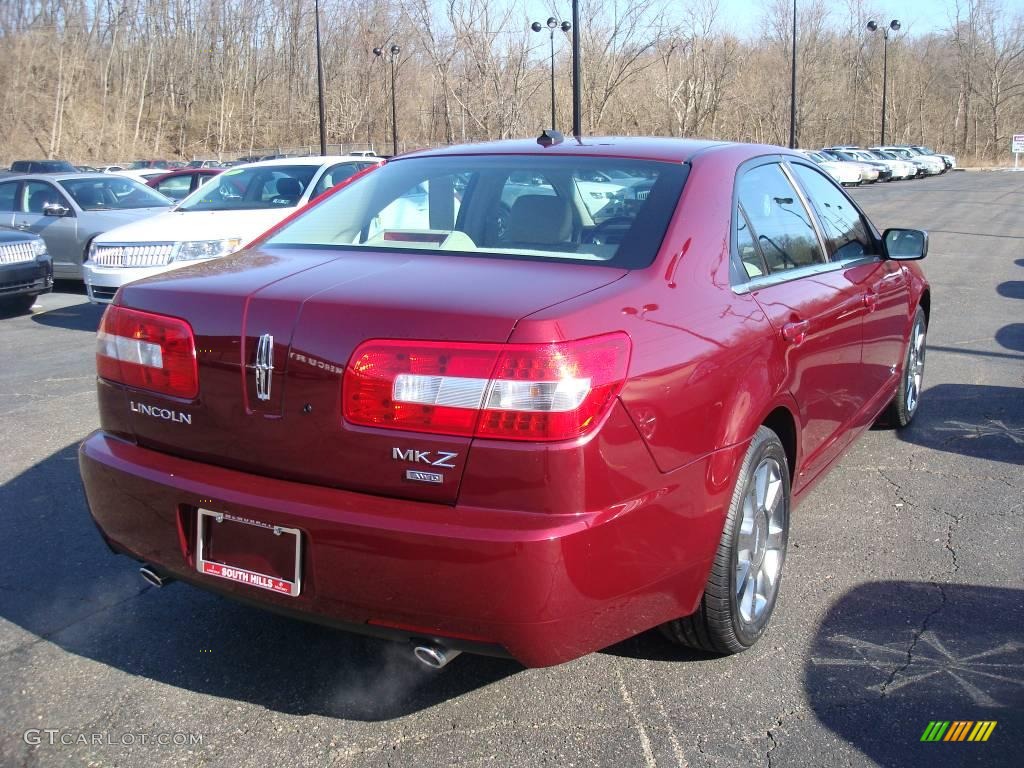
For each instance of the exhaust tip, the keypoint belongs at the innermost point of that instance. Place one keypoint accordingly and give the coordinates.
(153, 578)
(434, 656)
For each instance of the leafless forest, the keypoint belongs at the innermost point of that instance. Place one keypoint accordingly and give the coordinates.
(115, 80)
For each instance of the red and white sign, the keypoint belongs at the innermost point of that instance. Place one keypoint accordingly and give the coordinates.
(251, 578)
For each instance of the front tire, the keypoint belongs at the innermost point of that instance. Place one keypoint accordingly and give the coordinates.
(18, 304)
(743, 584)
(903, 407)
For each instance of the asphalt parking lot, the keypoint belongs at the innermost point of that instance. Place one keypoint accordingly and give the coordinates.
(902, 602)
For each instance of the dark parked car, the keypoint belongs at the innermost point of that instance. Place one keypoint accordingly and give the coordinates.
(179, 184)
(26, 270)
(537, 439)
(42, 166)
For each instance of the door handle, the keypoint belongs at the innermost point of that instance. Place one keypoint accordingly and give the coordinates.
(22, 226)
(894, 279)
(795, 332)
(870, 300)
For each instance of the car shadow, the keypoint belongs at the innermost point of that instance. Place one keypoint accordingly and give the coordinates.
(1011, 336)
(77, 317)
(977, 420)
(62, 584)
(654, 646)
(1011, 289)
(891, 657)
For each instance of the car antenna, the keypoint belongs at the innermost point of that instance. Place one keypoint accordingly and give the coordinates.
(550, 136)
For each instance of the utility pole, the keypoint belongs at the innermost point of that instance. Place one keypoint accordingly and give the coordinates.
(577, 106)
(320, 80)
(792, 88)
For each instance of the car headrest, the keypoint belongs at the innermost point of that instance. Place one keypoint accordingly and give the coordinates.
(289, 187)
(540, 219)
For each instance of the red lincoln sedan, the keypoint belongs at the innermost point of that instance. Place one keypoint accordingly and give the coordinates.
(527, 398)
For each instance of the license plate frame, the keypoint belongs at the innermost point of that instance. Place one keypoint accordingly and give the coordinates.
(240, 575)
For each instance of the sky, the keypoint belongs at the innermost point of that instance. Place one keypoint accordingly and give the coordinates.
(742, 16)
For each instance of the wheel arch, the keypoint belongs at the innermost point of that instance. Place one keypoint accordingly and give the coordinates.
(781, 421)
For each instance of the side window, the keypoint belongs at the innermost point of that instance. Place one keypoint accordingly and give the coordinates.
(845, 229)
(780, 225)
(175, 187)
(750, 254)
(334, 176)
(7, 193)
(37, 194)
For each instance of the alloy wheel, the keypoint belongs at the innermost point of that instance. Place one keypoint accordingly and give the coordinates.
(761, 544)
(915, 365)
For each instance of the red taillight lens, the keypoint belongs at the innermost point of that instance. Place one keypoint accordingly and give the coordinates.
(552, 391)
(147, 351)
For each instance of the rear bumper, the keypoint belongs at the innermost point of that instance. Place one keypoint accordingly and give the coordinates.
(543, 588)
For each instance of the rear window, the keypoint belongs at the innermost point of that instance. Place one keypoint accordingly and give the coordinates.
(609, 211)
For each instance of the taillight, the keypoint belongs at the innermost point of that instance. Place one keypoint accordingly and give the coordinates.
(147, 351)
(554, 391)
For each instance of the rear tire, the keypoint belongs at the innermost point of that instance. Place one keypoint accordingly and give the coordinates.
(743, 585)
(903, 408)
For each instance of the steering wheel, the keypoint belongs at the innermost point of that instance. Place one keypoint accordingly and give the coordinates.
(599, 235)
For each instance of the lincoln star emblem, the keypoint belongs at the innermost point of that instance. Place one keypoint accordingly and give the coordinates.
(264, 366)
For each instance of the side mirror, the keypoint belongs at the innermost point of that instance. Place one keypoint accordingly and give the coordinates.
(55, 209)
(905, 244)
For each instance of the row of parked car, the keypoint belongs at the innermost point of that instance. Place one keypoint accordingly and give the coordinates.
(852, 166)
(111, 228)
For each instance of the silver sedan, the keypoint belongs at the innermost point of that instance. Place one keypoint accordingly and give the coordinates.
(69, 210)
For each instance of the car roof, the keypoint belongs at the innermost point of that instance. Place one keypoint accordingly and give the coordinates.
(316, 160)
(632, 147)
(186, 172)
(63, 176)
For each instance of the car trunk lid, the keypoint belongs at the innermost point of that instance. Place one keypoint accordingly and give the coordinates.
(274, 333)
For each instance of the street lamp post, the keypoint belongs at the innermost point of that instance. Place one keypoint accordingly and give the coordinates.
(552, 25)
(894, 25)
(320, 81)
(792, 88)
(394, 50)
(577, 107)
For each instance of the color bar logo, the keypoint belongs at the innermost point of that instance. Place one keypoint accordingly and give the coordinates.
(958, 730)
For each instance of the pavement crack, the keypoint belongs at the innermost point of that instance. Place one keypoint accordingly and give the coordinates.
(882, 689)
(904, 501)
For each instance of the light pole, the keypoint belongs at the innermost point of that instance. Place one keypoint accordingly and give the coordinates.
(894, 25)
(320, 80)
(394, 50)
(577, 107)
(552, 25)
(792, 88)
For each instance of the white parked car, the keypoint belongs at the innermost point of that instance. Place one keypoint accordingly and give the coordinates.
(216, 220)
(949, 160)
(847, 174)
(901, 169)
(932, 166)
(898, 169)
(868, 172)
